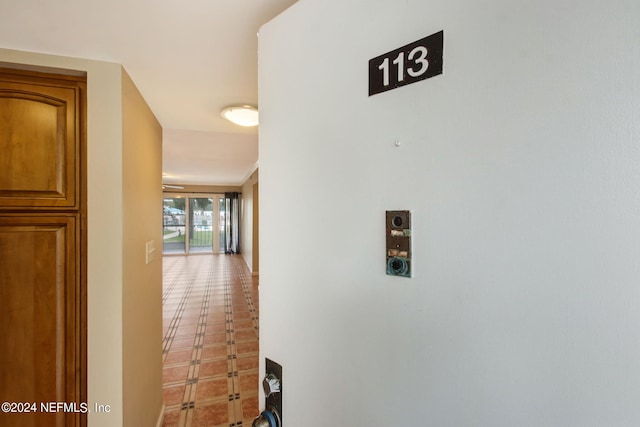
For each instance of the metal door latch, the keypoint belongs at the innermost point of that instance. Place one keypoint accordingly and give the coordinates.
(272, 385)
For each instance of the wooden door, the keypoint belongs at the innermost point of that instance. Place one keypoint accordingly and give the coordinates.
(42, 267)
(39, 133)
(39, 337)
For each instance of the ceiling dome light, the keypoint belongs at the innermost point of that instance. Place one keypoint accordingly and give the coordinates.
(243, 115)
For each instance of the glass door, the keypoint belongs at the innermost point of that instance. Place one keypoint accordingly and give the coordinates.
(193, 223)
(201, 225)
(174, 225)
(222, 246)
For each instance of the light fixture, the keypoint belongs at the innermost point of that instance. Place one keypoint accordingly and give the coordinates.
(243, 115)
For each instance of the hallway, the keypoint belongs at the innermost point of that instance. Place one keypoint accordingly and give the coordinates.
(210, 341)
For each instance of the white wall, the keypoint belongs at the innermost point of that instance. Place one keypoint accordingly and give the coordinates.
(521, 165)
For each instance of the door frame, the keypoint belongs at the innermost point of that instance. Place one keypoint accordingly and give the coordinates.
(215, 246)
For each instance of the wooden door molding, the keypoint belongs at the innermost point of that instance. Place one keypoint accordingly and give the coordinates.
(40, 136)
(41, 334)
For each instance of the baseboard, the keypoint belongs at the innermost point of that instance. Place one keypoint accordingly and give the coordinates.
(160, 417)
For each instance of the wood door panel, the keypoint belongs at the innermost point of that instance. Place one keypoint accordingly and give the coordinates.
(39, 356)
(39, 131)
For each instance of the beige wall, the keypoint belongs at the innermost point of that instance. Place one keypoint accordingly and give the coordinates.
(247, 223)
(142, 282)
(105, 230)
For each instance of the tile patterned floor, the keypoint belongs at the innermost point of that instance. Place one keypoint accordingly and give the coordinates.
(210, 344)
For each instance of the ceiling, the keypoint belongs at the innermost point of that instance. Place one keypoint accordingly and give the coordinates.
(189, 59)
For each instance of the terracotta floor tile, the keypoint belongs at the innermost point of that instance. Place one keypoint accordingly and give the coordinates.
(176, 373)
(173, 395)
(189, 330)
(247, 363)
(214, 352)
(246, 335)
(178, 356)
(248, 382)
(215, 338)
(172, 419)
(212, 388)
(248, 347)
(241, 315)
(243, 324)
(216, 318)
(250, 408)
(208, 301)
(189, 320)
(182, 343)
(210, 369)
(211, 415)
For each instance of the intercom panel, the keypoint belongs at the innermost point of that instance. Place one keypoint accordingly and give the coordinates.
(398, 238)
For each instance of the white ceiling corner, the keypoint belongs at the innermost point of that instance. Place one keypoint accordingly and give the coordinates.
(188, 59)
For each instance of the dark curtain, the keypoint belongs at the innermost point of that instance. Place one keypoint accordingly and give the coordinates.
(232, 223)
